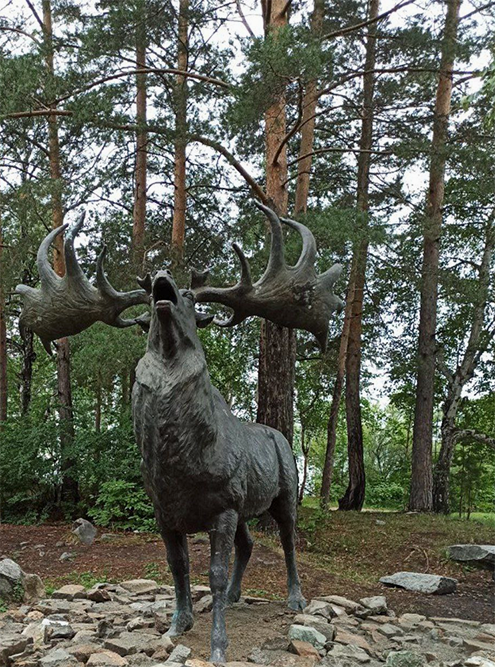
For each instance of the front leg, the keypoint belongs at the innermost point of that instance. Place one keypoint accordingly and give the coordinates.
(221, 541)
(178, 560)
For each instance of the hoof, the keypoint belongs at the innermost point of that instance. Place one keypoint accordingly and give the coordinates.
(297, 604)
(233, 596)
(180, 624)
(217, 656)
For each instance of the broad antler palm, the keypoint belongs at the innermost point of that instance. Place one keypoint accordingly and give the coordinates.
(64, 306)
(291, 296)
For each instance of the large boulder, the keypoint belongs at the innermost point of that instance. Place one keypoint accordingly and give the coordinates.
(10, 578)
(480, 555)
(421, 583)
(18, 586)
(85, 531)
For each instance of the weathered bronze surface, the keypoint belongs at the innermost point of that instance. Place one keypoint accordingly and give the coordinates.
(203, 469)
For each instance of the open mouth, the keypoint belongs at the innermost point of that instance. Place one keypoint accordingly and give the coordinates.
(164, 293)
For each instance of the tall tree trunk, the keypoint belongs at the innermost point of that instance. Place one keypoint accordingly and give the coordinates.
(180, 194)
(28, 357)
(326, 480)
(3, 339)
(421, 493)
(309, 104)
(305, 446)
(353, 498)
(277, 344)
(139, 210)
(462, 375)
(70, 490)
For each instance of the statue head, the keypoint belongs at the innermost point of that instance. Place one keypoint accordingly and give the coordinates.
(174, 318)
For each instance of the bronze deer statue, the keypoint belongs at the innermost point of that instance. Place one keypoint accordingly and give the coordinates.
(203, 469)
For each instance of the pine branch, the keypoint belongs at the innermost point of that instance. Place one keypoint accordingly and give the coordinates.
(364, 24)
(255, 187)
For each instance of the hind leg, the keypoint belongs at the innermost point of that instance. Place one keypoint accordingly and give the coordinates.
(284, 513)
(243, 548)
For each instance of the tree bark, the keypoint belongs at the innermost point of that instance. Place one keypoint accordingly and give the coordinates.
(28, 358)
(326, 480)
(180, 193)
(421, 493)
(309, 104)
(277, 344)
(353, 498)
(457, 381)
(139, 210)
(3, 340)
(70, 490)
(305, 447)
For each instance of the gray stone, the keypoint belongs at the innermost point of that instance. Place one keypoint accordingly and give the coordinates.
(85, 531)
(304, 633)
(33, 588)
(57, 629)
(128, 643)
(422, 583)
(405, 659)
(318, 623)
(106, 659)
(353, 653)
(140, 586)
(320, 608)
(377, 604)
(479, 661)
(10, 577)
(59, 658)
(69, 592)
(480, 555)
(179, 655)
(348, 605)
(11, 644)
(204, 604)
(66, 556)
(411, 619)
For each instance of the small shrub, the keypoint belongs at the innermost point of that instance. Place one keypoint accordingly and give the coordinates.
(124, 505)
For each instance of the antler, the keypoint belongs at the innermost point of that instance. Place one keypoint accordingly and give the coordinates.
(65, 306)
(291, 296)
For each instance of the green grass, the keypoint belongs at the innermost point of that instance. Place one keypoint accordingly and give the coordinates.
(86, 579)
(354, 546)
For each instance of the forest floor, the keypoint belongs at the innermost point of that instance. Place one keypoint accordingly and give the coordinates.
(339, 553)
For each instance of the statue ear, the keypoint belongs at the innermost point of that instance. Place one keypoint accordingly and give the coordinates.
(203, 319)
(145, 282)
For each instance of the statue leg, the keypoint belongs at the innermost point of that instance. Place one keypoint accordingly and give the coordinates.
(178, 560)
(283, 511)
(221, 541)
(243, 548)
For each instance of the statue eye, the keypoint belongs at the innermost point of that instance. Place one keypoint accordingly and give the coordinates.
(189, 295)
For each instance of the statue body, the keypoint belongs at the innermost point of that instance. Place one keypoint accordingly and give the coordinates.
(203, 468)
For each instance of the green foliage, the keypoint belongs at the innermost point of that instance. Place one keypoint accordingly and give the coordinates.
(123, 505)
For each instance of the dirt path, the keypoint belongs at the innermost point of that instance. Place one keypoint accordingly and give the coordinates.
(125, 555)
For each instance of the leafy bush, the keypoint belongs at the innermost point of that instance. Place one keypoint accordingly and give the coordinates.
(124, 505)
(389, 495)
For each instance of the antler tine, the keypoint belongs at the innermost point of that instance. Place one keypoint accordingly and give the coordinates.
(235, 318)
(101, 279)
(47, 274)
(245, 279)
(330, 277)
(72, 268)
(124, 299)
(308, 253)
(276, 261)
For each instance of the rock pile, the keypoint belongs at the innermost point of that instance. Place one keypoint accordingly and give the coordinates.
(124, 625)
